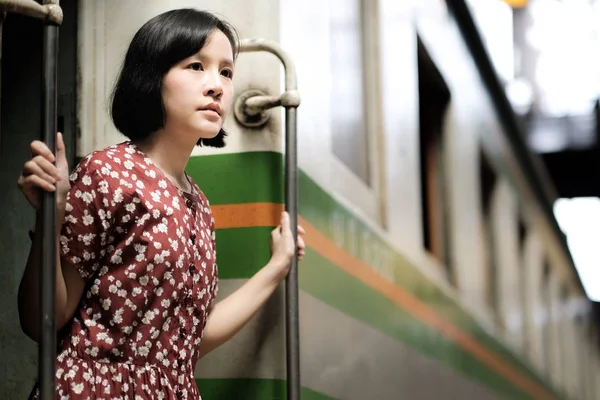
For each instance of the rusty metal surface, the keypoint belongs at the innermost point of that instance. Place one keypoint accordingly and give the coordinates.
(50, 11)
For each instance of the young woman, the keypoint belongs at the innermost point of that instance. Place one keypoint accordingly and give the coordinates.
(136, 272)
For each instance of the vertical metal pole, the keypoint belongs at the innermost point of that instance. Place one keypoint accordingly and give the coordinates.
(51, 13)
(251, 104)
(48, 345)
(2, 17)
(291, 292)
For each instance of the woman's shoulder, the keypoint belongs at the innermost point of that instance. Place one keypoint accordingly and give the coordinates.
(104, 164)
(113, 154)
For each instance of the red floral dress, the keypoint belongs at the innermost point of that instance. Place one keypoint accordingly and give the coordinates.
(146, 251)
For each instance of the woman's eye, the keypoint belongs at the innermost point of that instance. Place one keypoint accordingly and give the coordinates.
(196, 66)
(227, 73)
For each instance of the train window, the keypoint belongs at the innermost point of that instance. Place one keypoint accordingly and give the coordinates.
(562, 337)
(348, 104)
(434, 97)
(523, 283)
(546, 325)
(487, 183)
(580, 349)
(356, 135)
(522, 234)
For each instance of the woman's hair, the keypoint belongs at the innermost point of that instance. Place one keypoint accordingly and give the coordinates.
(167, 39)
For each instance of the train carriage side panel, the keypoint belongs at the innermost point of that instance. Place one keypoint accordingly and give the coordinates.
(397, 271)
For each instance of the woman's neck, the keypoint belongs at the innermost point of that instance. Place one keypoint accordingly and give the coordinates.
(169, 155)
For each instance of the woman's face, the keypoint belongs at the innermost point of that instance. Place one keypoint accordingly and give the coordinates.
(198, 91)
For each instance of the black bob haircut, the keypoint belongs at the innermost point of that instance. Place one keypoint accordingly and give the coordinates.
(137, 107)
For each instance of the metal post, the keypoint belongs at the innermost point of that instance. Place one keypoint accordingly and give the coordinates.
(2, 17)
(47, 349)
(250, 110)
(292, 331)
(51, 13)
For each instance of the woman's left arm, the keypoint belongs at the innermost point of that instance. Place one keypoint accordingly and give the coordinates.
(231, 314)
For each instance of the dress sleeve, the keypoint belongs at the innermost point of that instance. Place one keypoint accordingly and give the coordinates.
(88, 221)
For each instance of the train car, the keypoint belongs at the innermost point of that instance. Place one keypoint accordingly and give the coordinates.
(434, 269)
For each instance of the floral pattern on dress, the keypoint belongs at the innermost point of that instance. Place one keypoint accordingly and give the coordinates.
(147, 253)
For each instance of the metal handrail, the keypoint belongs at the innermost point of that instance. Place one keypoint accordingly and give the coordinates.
(51, 14)
(249, 105)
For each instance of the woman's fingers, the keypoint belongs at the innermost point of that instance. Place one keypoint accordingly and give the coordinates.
(48, 167)
(40, 149)
(42, 168)
(34, 180)
(301, 244)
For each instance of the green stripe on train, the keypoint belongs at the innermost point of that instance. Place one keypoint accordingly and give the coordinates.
(257, 177)
(239, 177)
(263, 389)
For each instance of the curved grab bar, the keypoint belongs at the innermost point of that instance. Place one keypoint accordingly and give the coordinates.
(50, 11)
(255, 45)
(255, 103)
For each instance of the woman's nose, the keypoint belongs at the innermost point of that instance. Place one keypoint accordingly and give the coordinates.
(213, 87)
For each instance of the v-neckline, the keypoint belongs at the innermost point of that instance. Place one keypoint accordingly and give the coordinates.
(193, 194)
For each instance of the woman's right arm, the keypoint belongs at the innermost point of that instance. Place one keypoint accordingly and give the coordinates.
(41, 174)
